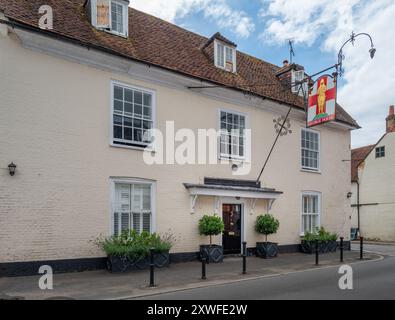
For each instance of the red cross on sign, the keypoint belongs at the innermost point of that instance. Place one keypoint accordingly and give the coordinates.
(322, 101)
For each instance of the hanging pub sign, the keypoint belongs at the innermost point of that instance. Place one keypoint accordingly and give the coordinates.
(322, 101)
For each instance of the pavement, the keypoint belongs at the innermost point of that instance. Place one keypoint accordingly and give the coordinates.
(179, 278)
(383, 248)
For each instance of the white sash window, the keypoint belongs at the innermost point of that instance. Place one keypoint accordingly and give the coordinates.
(132, 115)
(220, 55)
(310, 150)
(232, 140)
(311, 210)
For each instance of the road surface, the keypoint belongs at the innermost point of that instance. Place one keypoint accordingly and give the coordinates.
(371, 280)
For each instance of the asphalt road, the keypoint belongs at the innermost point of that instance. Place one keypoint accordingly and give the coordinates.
(371, 280)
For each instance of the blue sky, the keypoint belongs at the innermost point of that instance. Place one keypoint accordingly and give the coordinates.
(318, 28)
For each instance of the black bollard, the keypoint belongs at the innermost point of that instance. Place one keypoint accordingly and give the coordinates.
(316, 253)
(203, 268)
(341, 249)
(244, 257)
(361, 248)
(151, 267)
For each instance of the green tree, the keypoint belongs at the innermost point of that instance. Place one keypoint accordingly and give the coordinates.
(211, 226)
(266, 224)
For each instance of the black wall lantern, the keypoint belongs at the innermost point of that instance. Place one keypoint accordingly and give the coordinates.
(12, 167)
(349, 194)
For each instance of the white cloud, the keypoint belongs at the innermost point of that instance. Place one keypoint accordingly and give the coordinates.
(167, 10)
(369, 84)
(226, 17)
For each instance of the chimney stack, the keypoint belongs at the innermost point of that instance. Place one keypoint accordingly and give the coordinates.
(390, 120)
(285, 63)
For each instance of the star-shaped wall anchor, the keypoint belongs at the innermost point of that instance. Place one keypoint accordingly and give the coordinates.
(283, 129)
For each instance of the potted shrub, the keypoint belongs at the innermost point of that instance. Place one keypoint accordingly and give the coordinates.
(131, 250)
(327, 242)
(308, 242)
(162, 245)
(266, 225)
(211, 226)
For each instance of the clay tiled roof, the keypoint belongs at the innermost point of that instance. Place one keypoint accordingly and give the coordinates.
(159, 43)
(357, 156)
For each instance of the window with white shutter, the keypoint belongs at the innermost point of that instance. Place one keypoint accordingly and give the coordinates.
(132, 207)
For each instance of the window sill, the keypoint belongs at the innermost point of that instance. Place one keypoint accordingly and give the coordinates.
(235, 159)
(142, 148)
(122, 35)
(310, 171)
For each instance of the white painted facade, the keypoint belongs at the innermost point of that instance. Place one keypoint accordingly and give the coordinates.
(376, 193)
(55, 125)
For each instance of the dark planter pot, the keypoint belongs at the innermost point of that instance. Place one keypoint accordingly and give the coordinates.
(213, 253)
(323, 246)
(161, 259)
(117, 264)
(332, 246)
(266, 249)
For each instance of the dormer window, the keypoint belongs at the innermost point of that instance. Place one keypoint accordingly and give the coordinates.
(298, 76)
(225, 56)
(110, 15)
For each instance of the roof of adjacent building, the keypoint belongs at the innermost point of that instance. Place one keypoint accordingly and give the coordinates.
(357, 156)
(160, 43)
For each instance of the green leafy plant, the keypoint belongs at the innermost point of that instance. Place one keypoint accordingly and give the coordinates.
(162, 243)
(135, 245)
(310, 236)
(267, 225)
(320, 235)
(211, 226)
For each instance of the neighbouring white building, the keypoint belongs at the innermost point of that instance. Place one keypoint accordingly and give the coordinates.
(373, 186)
(75, 103)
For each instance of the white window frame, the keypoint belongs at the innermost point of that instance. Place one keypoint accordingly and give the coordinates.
(125, 12)
(319, 206)
(153, 111)
(224, 45)
(379, 152)
(227, 156)
(295, 88)
(115, 181)
(125, 19)
(305, 168)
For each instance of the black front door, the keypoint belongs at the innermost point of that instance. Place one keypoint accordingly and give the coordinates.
(231, 238)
